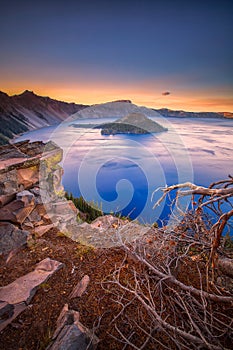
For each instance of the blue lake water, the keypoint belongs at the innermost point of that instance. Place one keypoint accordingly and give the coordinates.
(121, 172)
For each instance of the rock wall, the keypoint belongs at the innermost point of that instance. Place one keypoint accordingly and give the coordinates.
(31, 195)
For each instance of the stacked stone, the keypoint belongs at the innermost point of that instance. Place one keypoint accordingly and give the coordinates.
(31, 195)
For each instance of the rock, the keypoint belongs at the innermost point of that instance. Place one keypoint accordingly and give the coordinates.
(8, 182)
(15, 296)
(39, 223)
(11, 237)
(24, 288)
(73, 207)
(8, 318)
(70, 334)
(108, 221)
(41, 230)
(24, 165)
(34, 216)
(17, 210)
(35, 191)
(6, 198)
(28, 177)
(6, 310)
(64, 207)
(27, 224)
(57, 180)
(80, 288)
(107, 231)
(25, 196)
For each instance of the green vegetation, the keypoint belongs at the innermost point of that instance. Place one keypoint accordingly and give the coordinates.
(90, 210)
(84, 250)
(119, 128)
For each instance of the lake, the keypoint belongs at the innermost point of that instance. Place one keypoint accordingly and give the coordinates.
(121, 172)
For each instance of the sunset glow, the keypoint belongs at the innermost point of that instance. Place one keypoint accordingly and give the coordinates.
(100, 93)
(92, 54)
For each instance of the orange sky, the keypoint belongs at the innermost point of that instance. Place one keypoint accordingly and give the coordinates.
(147, 94)
(89, 53)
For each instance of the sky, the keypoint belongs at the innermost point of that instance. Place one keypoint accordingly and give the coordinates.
(94, 51)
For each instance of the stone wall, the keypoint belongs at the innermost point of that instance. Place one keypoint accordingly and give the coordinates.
(31, 195)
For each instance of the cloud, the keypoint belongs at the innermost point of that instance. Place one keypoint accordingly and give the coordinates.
(166, 93)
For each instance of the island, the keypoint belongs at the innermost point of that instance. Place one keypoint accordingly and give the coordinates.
(133, 123)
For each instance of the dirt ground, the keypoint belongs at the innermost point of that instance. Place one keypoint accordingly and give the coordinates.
(33, 328)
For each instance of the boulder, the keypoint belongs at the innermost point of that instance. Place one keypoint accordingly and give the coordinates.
(17, 210)
(15, 297)
(41, 230)
(71, 334)
(24, 288)
(11, 237)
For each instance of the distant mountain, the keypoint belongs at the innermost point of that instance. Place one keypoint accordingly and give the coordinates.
(27, 111)
(116, 109)
(183, 114)
(133, 123)
(121, 108)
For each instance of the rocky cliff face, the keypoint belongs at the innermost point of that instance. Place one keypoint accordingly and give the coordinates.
(31, 194)
(28, 111)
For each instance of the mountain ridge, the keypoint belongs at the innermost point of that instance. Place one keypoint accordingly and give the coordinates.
(27, 111)
(185, 114)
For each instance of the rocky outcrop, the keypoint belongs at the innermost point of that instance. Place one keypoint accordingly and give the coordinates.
(32, 202)
(109, 231)
(31, 194)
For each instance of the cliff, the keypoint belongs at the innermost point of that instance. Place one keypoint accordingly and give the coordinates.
(31, 195)
(27, 111)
